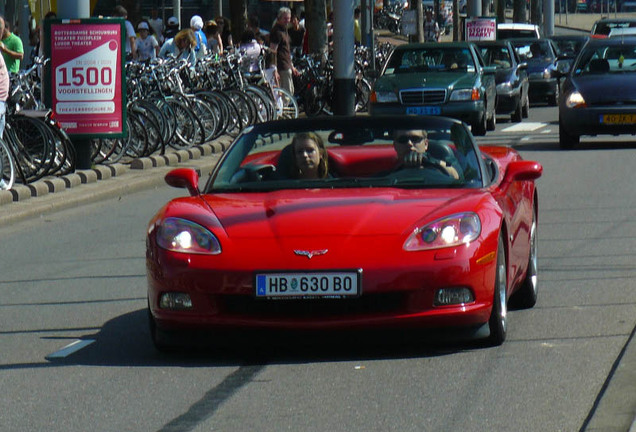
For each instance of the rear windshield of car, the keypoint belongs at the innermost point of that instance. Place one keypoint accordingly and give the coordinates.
(604, 28)
(510, 34)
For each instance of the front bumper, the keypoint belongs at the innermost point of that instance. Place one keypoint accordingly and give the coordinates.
(507, 101)
(394, 295)
(470, 112)
(592, 120)
(542, 89)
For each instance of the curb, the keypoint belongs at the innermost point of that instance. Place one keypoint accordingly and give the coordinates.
(103, 181)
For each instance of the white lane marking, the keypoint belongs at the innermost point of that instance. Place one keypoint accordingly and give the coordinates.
(524, 127)
(70, 349)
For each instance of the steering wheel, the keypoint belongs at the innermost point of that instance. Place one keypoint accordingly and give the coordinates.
(423, 160)
(253, 173)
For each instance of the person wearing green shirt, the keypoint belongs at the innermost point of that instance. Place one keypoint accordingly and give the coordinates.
(11, 47)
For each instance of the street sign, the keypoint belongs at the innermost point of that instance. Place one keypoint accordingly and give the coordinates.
(481, 29)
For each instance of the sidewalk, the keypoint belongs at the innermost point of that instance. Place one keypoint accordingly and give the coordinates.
(104, 181)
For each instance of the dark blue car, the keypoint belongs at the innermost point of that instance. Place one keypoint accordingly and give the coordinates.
(511, 78)
(599, 93)
(543, 74)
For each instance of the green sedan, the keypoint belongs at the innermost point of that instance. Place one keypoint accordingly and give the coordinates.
(442, 79)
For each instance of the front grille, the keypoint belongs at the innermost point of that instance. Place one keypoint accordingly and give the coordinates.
(311, 308)
(422, 96)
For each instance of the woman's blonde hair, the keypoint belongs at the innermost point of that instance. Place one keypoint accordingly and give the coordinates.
(323, 165)
(186, 36)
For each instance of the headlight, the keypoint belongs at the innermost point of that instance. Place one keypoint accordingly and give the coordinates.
(180, 235)
(575, 100)
(385, 97)
(454, 230)
(465, 94)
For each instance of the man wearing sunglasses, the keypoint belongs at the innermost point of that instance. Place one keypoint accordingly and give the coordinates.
(411, 147)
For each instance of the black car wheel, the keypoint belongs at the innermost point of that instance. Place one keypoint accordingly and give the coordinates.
(498, 322)
(491, 123)
(554, 99)
(480, 128)
(517, 115)
(526, 107)
(567, 141)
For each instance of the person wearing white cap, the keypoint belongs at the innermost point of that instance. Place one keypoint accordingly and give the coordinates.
(196, 24)
(147, 45)
(156, 23)
(172, 28)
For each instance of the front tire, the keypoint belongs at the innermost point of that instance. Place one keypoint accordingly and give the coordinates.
(567, 141)
(498, 322)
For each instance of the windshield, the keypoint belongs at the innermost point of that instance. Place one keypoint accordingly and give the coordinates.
(442, 155)
(539, 50)
(497, 56)
(441, 59)
(605, 60)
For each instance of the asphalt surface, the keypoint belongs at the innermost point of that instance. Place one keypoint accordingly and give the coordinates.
(617, 406)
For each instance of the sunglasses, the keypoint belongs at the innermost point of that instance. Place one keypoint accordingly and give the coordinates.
(405, 139)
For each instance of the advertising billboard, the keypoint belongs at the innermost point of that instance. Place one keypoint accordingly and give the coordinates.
(87, 88)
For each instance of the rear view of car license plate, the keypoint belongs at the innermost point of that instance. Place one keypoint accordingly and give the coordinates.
(308, 285)
(424, 110)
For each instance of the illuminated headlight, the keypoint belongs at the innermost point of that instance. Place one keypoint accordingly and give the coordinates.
(175, 301)
(180, 235)
(453, 296)
(455, 230)
(504, 87)
(465, 94)
(574, 100)
(385, 97)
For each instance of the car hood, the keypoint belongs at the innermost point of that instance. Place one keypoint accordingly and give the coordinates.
(504, 75)
(336, 213)
(597, 89)
(539, 65)
(432, 79)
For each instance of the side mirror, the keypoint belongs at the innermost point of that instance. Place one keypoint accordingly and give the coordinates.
(184, 178)
(523, 170)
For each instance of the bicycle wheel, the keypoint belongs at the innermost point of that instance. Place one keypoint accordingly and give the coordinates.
(189, 131)
(363, 91)
(7, 167)
(286, 105)
(34, 150)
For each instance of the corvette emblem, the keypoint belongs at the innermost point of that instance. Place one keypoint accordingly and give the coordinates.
(311, 254)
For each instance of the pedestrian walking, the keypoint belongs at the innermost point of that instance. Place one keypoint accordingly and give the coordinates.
(11, 47)
(279, 43)
(131, 46)
(201, 48)
(147, 45)
(431, 28)
(4, 93)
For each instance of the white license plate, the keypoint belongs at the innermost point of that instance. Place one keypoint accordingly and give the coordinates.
(308, 285)
(424, 110)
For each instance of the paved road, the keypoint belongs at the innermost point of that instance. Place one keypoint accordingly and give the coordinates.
(76, 277)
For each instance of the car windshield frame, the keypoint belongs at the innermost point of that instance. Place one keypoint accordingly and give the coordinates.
(361, 155)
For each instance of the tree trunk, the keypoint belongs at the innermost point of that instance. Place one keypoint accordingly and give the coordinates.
(238, 14)
(316, 25)
(519, 14)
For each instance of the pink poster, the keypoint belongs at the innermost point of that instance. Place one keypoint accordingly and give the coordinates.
(86, 72)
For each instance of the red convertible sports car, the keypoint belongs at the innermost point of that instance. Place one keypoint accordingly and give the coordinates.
(347, 223)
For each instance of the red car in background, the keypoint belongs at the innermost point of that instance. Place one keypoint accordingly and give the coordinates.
(444, 238)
